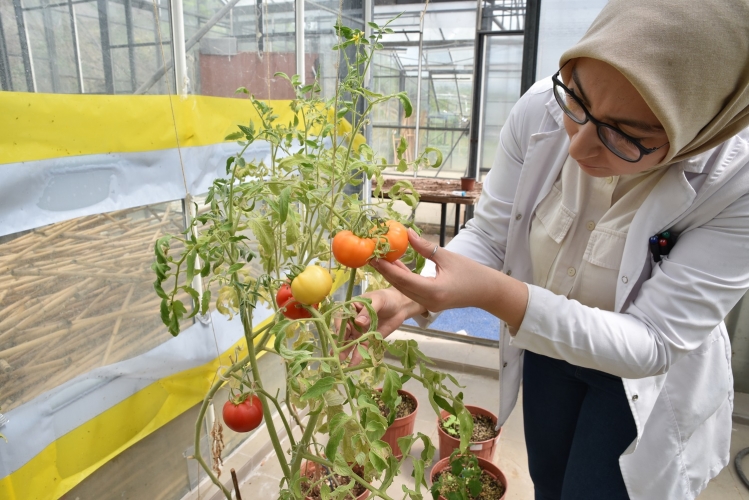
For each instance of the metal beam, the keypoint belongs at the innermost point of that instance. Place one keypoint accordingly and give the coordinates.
(530, 44)
(6, 81)
(299, 24)
(76, 46)
(49, 38)
(106, 52)
(130, 41)
(179, 54)
(23, 38)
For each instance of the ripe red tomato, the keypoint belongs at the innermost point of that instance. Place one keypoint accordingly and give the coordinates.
(245, 416)
(351, 250)
(398, 239)
(293, 309)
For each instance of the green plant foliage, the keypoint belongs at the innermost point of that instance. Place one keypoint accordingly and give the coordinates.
(261, 225)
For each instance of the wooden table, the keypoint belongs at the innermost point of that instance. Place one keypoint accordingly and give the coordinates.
(442, 191)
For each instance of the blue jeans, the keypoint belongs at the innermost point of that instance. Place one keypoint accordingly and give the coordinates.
(577, 423)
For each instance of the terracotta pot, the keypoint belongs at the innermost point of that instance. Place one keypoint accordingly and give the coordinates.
(482, 449)
(312, 467)
(485, 465)
(401, 427)
(467, 183)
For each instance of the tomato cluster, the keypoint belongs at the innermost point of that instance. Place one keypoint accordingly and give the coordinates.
(243, 415)
(309, 287)
(354, 251)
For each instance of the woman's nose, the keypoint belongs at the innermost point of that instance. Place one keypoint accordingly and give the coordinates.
(585, 142)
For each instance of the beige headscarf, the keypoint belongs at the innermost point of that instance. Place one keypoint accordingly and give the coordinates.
(689, 59)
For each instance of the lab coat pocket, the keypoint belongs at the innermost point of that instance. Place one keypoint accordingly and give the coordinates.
(698, 384)
(555, 217)
(597, 277)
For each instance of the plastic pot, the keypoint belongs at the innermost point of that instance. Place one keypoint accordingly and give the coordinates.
(467, 183)
(482, 449)
(485, 465)
(401, 427)
(311, 467)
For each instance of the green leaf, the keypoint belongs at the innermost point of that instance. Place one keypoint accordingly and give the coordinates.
(442, 403)
(407, 108)
(205, 302)
(438, 160)
(465, 420)
(165, 311)
(234, 136)
(319, 388)
(235, 267)
(190, 272)
(283, 204)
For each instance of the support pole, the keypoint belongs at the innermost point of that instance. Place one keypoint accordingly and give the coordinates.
(76, 46)
(23, 38)
(418, 86)
(128, 5)
(106, 51)
(6, 81)
(301, 70)
(49, 38)
(179, 49)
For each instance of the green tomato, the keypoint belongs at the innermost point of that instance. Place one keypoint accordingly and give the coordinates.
(311, 285)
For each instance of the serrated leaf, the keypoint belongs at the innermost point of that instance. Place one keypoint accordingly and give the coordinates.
(283, 204)
(407, 108)
(205, 302)
(319, 388)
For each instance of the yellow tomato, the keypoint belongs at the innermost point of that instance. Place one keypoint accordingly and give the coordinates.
(311, 285)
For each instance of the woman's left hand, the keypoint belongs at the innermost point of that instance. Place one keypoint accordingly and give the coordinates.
(460, 282)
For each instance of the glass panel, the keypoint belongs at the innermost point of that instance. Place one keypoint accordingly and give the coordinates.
(562, 24)
(93, 47)
(501, 90)
(79, 295)
(243, 48)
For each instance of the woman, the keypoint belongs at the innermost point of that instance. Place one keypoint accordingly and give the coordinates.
(625, 359)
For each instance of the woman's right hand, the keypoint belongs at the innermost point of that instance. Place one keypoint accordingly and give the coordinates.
(392, 308)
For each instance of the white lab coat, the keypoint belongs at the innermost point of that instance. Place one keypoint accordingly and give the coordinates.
(666, 337)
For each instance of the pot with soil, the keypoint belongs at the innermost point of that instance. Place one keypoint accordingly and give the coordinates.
(483, 439)
(467, 183)
(312, 473)
(493, 481)
(404, 422)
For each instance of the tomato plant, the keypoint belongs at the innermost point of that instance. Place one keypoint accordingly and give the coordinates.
(281, 211)
(397, 237)
(351, 250)
(291, 308)
(311, 285)
(244, 415)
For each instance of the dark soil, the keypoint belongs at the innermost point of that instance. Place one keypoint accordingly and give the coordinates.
(483, 429)
(314, 493)
(491, 488)
(406, 407)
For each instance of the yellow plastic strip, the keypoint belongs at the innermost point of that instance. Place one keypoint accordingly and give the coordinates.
(42, 126)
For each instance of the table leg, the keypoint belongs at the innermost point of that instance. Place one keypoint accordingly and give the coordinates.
(457, 219)
(443, 223)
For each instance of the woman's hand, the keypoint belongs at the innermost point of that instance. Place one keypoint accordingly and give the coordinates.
(460, 282)
(392, 308)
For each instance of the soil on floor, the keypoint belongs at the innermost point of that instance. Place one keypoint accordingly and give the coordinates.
(483, 429)
(491, 488)
(406, 407)
(314, 493)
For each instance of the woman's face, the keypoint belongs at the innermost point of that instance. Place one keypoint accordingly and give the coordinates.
(610, 98)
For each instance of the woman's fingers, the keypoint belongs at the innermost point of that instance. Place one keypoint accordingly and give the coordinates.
(423, 246)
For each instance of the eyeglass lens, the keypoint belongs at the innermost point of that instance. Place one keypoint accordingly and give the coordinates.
(611, 138)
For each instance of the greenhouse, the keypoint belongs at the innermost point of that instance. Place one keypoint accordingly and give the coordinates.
(396, 249)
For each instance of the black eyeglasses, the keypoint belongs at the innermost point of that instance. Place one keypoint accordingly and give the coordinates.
(622, 145)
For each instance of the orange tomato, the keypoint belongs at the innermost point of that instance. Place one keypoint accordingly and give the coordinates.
(397, 237)
(351, 250)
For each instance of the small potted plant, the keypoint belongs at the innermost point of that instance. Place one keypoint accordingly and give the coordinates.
(484, 436)
(467, 477)
(319, 481)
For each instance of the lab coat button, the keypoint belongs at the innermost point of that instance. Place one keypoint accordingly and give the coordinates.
(625, 279)
(590, 225)
(609, 180)
(504, 365)
(571, 271)
(634, 398)
(518, 216)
